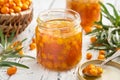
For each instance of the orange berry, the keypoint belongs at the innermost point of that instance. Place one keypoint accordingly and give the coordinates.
(12, 4)
(32, 46)
(17, 9)
(17, 1)
(2, 2)
(84, 71)
(0, 7)
(10, 0)
(11, 71)
(27, 2)
(87, 29)
(101, 57)
(23, 1)
(6, 1)
(25, 7)
(117, 48)
(88, 56)
(33, 40)
(90, 66)
(100, 70)
(4, 10)
(30, 1)
(11, 11)
(93, 39)
(7, 5)
(93, 72)
(17, 43)
(101, 52)
(21, 52)
(19, 4)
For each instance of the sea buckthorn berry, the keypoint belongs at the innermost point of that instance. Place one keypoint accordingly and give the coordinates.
(23, 1)
(4, 10)
(11, 11)
(19, 4)
(6, 5)
(93, 72)
(17, 9)
(33, 40)
(17, 43)
(6, 1)
(99, 69)
(16, 6)
(90, 66)
(30, 1)
(88, 56)
(25, 6)
(27, 2)
(11, 71)
(12, 4)
(2, 2)
(117, 48)
(87, 29)
(101, 52)
(32, 46)
(10, 0)
(17, 1)
(93, 39)
(21, 52)
(101, 57)
(0, 6)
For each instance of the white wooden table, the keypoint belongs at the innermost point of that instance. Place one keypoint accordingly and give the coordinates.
(36, 71)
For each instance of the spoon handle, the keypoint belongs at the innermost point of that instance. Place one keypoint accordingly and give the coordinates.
(116, 54)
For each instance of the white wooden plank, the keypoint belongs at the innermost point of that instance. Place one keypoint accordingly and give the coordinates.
(36, 71)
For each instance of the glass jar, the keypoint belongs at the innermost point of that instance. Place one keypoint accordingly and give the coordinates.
(89, 11)
(59, 39)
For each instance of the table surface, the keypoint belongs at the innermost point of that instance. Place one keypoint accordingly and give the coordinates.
(36, 71)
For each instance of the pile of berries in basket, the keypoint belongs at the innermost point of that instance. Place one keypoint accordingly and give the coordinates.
(15, 15)
(14, 6)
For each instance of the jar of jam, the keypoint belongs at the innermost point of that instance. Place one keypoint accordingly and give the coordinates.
(59, 39)
(89, 11)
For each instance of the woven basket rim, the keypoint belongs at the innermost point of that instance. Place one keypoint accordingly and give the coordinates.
(22, 12)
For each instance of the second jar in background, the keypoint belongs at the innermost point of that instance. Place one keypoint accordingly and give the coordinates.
(89, 11)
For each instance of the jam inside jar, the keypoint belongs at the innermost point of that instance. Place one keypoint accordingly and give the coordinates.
(59, 39)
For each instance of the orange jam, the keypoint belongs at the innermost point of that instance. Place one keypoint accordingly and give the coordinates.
(58, 44)
(89, 11)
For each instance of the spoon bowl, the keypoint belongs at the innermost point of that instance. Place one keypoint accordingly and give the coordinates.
(108, 69)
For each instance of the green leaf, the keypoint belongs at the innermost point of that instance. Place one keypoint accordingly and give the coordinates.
(14, 64)
(93, 32)
(5, 65)
(24, 40)
(10, 56)
(27, 56)
(106, 12)
(98, 48)
(115, 13)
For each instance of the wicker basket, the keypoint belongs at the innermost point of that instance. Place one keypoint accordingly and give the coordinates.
(16, 21)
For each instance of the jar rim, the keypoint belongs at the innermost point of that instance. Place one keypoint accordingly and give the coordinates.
(76, 16)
